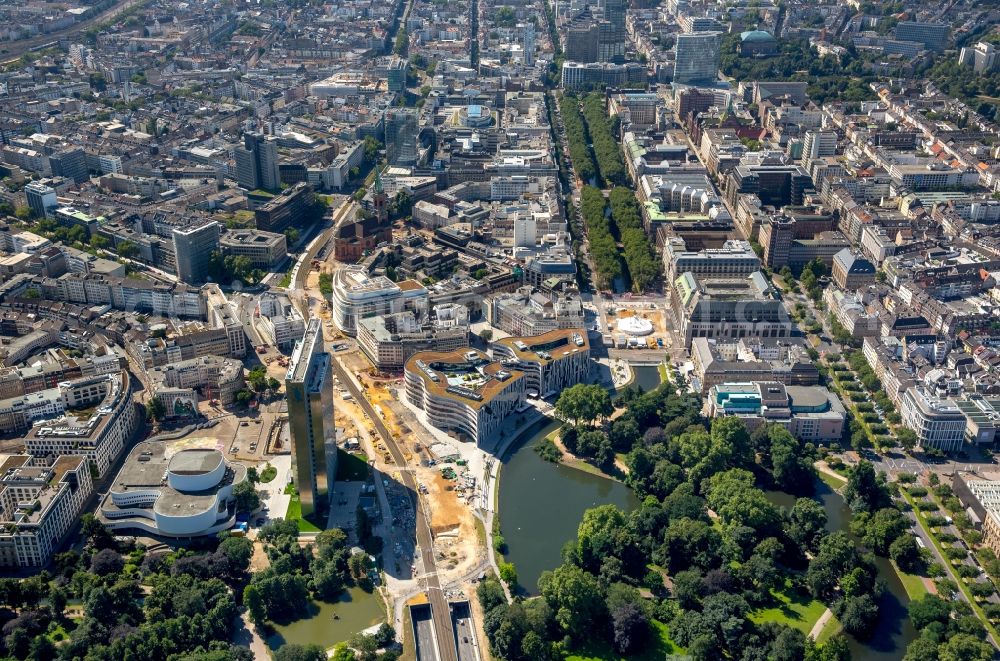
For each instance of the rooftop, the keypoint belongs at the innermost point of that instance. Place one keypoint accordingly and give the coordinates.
(552, 345)
(466, 375)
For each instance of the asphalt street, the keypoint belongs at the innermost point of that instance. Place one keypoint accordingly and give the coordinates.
(441, 613)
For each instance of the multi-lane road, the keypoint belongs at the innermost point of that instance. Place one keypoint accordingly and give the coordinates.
(441, 614)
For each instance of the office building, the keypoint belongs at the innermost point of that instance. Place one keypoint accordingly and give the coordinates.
(280, 320)
(390, 340)
(774, 185)
(41, 199)
(637, 110)
(110, 164)
(932, 177)
(983, 58)
(100, 435)
(852, 271)
(401, 128)
(184, 493)
(309, 393)
(751, 359)
(938, 423)
(729, 307)
(611, 33)
(979, 493)
(70, 163)
(216, 377)
(39, 504)
(934, 36)
(783, 248)
(289, 209)
(464, 392)
(358, 295)
(246, 169)
(812, 414)
(193, 248)
(581, 41)
(819, 144)
(982, 418)
(527, 44)
(527, 312)
(257, 162)
(551, 362)
(265, 250)
(584, 76)
(735, 258)
(394, 68)
(697, 57)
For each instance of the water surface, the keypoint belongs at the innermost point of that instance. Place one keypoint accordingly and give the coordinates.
(356, 610)
(542, 504)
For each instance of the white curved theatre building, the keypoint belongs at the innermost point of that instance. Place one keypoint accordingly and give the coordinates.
(186, 493)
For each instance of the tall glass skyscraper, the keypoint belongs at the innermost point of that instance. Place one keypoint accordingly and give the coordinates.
(697, 57)
(309, 392)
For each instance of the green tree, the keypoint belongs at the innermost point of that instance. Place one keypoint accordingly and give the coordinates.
(807, 523)
(371, 148)
(311, 652)
(127, 249)
(584, 403)
(963, 647)
(904, 552)
(906, 438)
(879, 530)
(246, 496)
(928, 609)
(238, 550)
(508, 574)
(865, 490)
(157, 410)
(575, 598)
(490, 594)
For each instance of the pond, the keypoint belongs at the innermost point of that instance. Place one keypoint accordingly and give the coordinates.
(894, 631)
(542, 503)
(647, 377)
(356, 610)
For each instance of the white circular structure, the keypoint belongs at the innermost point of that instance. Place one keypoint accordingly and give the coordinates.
(195, 469)
(636, 326)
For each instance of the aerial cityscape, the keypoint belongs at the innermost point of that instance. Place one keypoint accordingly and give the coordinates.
(500, 330)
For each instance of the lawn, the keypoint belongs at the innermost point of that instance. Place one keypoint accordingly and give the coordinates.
(829, 630)
(286, 280)
(352, 467)
(657, 650)
(795, 609)
(913, 584)
(294, 513)
(831, 481)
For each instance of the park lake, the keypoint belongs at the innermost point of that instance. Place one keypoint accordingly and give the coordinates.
(541, 505)
(355, 611)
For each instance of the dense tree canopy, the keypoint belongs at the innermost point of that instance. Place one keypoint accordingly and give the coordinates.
(706, 525)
